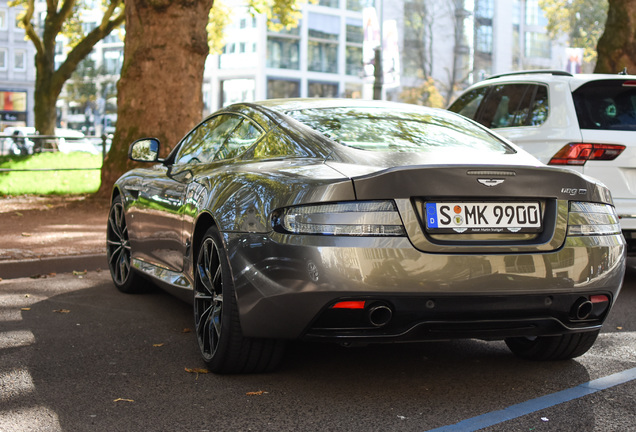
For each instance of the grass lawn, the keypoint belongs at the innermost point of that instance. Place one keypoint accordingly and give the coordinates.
(50, 182)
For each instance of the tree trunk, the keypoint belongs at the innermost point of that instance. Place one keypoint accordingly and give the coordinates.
(159, 93)
(617, 47)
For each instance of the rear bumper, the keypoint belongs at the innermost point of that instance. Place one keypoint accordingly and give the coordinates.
(285, 283)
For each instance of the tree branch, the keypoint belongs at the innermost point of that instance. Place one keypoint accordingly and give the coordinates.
(28, 27)
(82, 49)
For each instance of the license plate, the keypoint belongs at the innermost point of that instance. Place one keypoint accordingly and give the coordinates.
(483, 217)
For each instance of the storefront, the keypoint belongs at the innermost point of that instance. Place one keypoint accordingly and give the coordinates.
(13, 108)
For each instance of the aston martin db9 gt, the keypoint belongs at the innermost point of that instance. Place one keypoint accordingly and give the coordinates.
(364, 222)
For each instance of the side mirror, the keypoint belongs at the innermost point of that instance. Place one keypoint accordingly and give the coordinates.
(144, 150)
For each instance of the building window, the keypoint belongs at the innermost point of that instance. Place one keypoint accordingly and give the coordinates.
(353, 91)
(329, 3)
(3, 19)
(537, 45)
(483, 40)
(283, 52)
(3, 59)
(282, 89)
(113, 61)
(322, 89)
(237, 90)
(358, 5)
(19, 61)
(355, 38)
(323, 43)
(534, 14)
(484, 9)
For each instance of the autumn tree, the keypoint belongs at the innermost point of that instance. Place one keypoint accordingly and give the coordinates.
(62, 17)
(160, 89)
(582, 21)
(617, 46)
(421, 30)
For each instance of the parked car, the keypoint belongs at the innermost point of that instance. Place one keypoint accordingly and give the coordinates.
(583, 122)
(70, 140)
(364, 222)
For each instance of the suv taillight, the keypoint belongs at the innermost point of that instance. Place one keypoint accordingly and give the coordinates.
(579, 153)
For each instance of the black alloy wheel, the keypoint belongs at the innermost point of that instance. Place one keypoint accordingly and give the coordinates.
(118, 252)
(221, 342)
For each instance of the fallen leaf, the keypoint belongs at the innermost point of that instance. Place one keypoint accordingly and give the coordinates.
(24, 234)
(26, 309)
(186, 330)
(27, 295)
(197, 370)
(158, 345)
(545, 419)
(18, 214)
(619, 328)
(79, 273)
(257, 393)
(37, 276)
(52, 274)
(62, 311)
(123, 400)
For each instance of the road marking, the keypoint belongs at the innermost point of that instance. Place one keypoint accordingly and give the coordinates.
(533, 405)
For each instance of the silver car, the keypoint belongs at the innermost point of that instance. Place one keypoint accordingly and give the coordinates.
(364, 222)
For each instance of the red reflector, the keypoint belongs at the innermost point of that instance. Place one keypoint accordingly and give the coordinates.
(579, 153)
(629, 84)
(599, 299)
(349, 305)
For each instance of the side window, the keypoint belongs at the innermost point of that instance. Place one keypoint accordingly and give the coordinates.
(202, 143)
(512, 105)
(468, 103)
(240, 140)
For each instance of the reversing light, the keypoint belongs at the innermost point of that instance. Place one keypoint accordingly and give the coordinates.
(351, 304)
(355, 218)
(579, 153)
(587, 218)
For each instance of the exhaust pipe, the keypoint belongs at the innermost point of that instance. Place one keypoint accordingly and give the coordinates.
(582, 309)
(379, 315)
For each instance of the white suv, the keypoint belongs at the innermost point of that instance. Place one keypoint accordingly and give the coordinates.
(583, 122)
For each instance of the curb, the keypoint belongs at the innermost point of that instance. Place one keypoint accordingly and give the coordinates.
(14, 269)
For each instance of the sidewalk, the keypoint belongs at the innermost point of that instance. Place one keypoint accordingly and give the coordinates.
(41, 235)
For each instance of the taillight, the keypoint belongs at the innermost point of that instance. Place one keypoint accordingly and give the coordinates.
(579, 153)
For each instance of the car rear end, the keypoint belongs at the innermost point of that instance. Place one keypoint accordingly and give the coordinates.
(606, 113)
(435, 245)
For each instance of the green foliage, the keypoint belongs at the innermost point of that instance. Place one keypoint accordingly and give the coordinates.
(281, 14)
(582, 21)
(50, 182)
(218, 20)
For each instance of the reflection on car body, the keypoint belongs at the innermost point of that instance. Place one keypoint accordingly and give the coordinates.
(310, 219)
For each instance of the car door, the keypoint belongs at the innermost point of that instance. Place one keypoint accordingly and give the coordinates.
(162, 199)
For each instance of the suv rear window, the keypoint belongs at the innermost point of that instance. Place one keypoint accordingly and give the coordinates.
(505, 105)
(606, 105)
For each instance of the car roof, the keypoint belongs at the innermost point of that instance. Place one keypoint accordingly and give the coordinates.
(551, 76)
(294, 104)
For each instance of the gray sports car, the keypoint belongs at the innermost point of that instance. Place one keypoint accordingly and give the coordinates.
(363, 222)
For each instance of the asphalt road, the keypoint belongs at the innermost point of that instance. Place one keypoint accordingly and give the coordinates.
(76, 355)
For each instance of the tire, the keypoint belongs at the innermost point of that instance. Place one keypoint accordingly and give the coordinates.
(124, 276)
(221, 342)
(545, 348)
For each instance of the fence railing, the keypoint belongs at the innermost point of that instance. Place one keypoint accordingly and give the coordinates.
(21, 145)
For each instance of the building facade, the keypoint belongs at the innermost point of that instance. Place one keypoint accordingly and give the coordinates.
(17, 71)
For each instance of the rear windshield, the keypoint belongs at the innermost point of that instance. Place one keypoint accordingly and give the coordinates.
(606, 105)
(390, 130)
